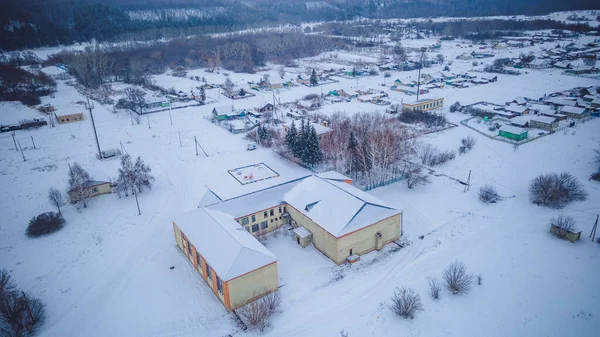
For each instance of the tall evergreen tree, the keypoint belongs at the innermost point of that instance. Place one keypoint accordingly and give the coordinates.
(291, 138)
(313, 153)
(202, 94)
(353, 71)
(301, 141)
(354, 164)
(313, 78)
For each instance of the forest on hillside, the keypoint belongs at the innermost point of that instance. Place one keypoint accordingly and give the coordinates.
(34, 23)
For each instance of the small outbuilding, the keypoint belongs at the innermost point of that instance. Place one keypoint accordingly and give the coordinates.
(68, 117)
(302, 236)
(543, 122)
(92, 188)
(574, 112)
(424, 104)
(513, 132)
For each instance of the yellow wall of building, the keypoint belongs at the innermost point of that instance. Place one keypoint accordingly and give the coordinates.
(322, 240)
(253, 285)
(364, 240)
(70, 118)
(273, 221)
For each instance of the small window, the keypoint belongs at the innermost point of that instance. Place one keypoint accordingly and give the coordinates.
(272, 220)
(199, 259)
(271, 212)
(254, 228)
(253, 218)
(248, 229)
(264, 225)
(220, 285)
(284, 209)
(265, 214)
(95, 190)
(190, 249)
(279, 209)
(245, 221)
(208, 273)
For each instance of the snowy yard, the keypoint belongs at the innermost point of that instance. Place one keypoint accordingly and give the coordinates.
(107, 272)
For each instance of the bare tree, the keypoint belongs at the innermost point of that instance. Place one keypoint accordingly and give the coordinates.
(564, 224)
(406, 303)
(228, 87)
(415, 176)
(457, 279)
(556, 191)
(56, 198)
(281, 71)
(137, 97)
(439, 58)
(488, 194)
(434, 287)
(78, 184)
(7, 285)
(21, 314)
(258, 314)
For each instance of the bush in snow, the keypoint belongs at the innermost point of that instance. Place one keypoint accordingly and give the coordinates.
(20, 313)
(467, 144)
(455, 107)
(457, 279)
(258, 314)
(556, 190)
(45, 223)
(432, 156)
(406, 303)
(415, 176)
(479, 279)
(488, 194)
(564, 224)
(434, 287)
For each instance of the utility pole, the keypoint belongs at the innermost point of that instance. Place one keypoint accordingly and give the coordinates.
(196, 142)
(136, 201)
(593, 233)
(22, 154)
(179, 133)
(170, 118)
(422, 58)
(148, 117)
(33, 142)
(14, 141)
(90, 107)
(468, 182)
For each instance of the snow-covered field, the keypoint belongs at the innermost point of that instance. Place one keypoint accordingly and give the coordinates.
(107, 272)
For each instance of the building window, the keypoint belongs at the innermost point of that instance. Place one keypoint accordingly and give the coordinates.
(254, 228)
(279, 209)
(95, 190)
(284, 209)
(190, 249)
(265, 214)
(220, 285)
(271, 212)
(245, 221)
(264, 225)
(248, 229)
(199, 260)
(208, 273)
(253, 218)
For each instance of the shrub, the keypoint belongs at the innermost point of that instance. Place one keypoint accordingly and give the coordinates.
(415, 176)
(45, 223)
(433, 156)
(455, 107)
(564, 224)
(468, 143)
(488, 194)
(556, 191)
(406, 303)
(258, 314)
(595, 176)
(428, 118)
(434, 287)
(20, 313)
(457, 279)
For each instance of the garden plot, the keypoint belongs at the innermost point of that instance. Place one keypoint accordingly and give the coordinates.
(253, 173)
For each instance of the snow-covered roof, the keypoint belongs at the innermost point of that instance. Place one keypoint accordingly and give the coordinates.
(512, 129)
(572, 110)
(305, 104)
(209, 198)
(520, 120)
(333, 175)
(302, 232)
(543, 119)
(320, 129)
(337, 207)
(227, 247)
(520, 100)
(516, 109)
(561, 101)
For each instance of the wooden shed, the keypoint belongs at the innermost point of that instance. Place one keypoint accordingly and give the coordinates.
(513, 132)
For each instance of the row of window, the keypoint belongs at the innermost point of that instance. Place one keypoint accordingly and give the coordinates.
(266, 214)
(206, 270)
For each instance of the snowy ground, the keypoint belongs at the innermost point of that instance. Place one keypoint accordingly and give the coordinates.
(107, 272)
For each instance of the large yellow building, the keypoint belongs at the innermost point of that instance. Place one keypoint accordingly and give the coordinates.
(340, 220)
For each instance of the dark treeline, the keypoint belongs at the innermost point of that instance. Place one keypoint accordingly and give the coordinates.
(33, 23)
(21, 85)
(134, 64)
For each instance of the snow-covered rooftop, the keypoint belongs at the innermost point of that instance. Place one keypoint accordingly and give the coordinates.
(227, 247)
(512, 129)
(333, 175)
(543, 119)
(572, 110)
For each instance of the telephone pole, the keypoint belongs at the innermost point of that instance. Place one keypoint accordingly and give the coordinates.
(422, 59)
(593, 233)
(90, 106)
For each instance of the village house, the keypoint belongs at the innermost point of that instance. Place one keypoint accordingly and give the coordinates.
(91, 188)
(574, 112)
(518, 110)
(227, 113)
(513, 132)
(325, 210)
(265, 108)
(424, 104)
(68, 117)
(322, 130)
(543, 122)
